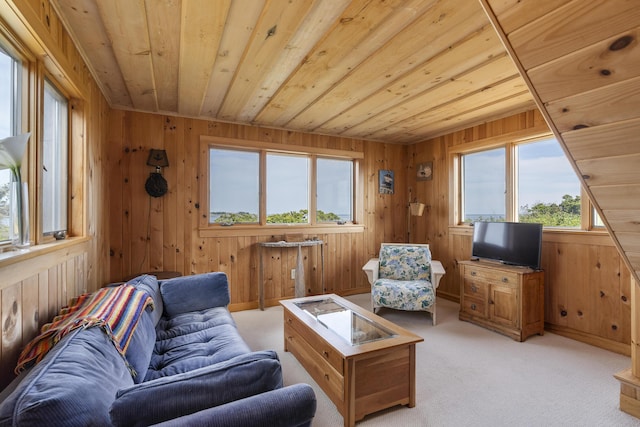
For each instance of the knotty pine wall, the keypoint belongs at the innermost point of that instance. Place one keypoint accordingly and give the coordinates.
(587, 285)
(36, 283)
(161, 234)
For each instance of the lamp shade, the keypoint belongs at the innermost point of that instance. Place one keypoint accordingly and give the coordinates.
(416, 208)
(157, 158)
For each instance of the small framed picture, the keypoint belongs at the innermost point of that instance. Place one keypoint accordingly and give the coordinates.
(385, 181)
(424, 171)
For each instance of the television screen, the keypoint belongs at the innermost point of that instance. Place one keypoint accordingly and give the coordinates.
(515, 243)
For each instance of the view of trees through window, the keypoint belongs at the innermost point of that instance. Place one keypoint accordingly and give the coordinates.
(234, 188)
(547, 190)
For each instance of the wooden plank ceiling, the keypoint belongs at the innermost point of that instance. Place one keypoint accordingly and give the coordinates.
(581, 59)
(398, 71)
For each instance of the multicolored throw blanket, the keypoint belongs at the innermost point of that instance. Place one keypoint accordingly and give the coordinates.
(115, 309)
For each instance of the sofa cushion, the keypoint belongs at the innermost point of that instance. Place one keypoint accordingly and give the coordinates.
(194, 293)
(195, 340)
(187, 323)
(141, 347)
(150, 284)
(74, 385)
(186, 393)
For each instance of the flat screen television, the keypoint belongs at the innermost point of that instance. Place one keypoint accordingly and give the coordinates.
(513, 243)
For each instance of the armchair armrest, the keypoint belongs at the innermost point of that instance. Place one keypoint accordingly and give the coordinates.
(437, 271)
(294, 405)
(371, 269)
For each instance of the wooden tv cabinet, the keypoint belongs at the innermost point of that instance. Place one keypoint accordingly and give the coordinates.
(505, 299)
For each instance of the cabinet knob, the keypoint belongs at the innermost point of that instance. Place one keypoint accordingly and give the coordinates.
(473, 307)
(326, 377)
(325, 353)
(474, 288)
(473, 273)
(505, 279)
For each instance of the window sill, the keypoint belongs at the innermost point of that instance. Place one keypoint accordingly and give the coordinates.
(14, 256)
(269, 230)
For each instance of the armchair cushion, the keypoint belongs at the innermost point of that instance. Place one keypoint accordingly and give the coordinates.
(404, 262)
(409, 295)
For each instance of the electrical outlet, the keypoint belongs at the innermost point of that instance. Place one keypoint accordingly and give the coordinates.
(293, 273)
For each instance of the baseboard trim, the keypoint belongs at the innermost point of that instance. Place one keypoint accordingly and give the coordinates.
(616, 347)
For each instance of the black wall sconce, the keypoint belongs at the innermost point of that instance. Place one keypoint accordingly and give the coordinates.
(156, 185)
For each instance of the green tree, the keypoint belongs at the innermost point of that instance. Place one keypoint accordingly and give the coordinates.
(300, 217)
(232, 218)
(321, 216)
(291, 217)
(564, 214)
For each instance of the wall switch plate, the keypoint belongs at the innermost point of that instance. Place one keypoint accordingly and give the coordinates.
(293, 273)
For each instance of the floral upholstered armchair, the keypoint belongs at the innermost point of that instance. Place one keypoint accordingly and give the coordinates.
(404, 277)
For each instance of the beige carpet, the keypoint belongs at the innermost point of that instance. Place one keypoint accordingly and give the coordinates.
(469, 376)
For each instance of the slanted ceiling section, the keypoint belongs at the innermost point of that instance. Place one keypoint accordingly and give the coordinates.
(581, 60)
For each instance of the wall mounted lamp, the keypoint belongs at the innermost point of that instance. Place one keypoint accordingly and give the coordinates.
(156, 185)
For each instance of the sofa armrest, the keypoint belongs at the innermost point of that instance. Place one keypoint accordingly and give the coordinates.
(371, 270)
(186, 393)
(291, 406)
(437, 271)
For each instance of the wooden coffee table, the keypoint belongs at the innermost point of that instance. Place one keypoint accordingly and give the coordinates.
(363, 362)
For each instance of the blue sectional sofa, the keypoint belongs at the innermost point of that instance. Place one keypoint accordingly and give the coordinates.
(191, 367)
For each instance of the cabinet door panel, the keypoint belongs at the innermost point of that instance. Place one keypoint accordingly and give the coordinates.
(503, 305)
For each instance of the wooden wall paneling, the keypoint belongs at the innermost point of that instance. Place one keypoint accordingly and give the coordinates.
(116, 195)
(605, 282)
(331, 264)
(11, 311)
(580, 314)
(54, 295)
(43, 299)
(557, 285)
(30, 308)
(180, 201)
(155, 234)
(170, 205)
(193, 205)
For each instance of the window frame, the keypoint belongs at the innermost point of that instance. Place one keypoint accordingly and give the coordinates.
(207, 229)
(42, 236)
(24, 121)
(33, 72)
(509, 142)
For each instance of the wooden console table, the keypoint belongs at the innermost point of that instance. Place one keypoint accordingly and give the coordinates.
(300, 285)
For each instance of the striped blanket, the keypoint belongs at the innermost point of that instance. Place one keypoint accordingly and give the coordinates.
(115, 309)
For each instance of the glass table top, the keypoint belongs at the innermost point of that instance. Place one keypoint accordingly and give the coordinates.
(348, 324)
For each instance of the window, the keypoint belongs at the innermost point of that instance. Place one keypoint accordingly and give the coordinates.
(9, 125)
(484, 185)
(548, 189)
(287, 189)
(269, 187)
(234, 185)
(54, 160)
(525, 182)
(335, 190)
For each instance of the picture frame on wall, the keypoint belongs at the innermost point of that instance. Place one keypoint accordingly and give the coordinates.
(385, 181)
(424, 171)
